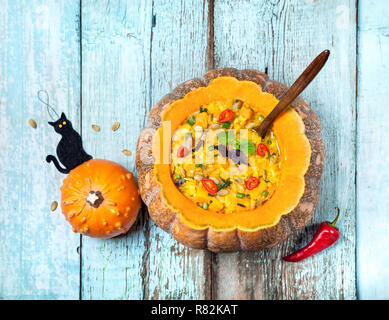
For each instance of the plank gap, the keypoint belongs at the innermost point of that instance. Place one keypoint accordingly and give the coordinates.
(211, 35)
(80, 86)
(356, 144)
(146, 253)
(210, 258)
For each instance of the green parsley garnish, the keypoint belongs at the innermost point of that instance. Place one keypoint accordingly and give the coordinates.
(191, 120)
(226, 125)
(225, 184)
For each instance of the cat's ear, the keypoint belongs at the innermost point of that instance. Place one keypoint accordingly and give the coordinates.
(63, 116)
(51, 123)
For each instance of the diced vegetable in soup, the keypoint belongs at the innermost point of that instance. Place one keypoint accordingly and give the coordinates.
(220, 162)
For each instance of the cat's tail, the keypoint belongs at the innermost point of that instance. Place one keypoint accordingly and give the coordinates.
(53, 159)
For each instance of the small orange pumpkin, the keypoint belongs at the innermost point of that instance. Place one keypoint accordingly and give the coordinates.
(100, 199)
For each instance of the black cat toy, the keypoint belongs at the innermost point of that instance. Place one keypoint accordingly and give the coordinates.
(88, 204)
(69, 150)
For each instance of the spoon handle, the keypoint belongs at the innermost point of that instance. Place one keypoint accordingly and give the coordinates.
(298, 86)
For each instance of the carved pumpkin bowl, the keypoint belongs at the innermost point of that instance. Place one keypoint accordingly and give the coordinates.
(266, 221)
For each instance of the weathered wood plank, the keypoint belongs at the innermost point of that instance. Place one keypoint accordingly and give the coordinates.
(179, 47)
(39, 50)
(115, 87)
(372, 150)
(282, 38)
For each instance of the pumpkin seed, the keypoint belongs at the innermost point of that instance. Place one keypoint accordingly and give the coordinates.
(214, 180)
(241, 187)
(183, 172)
(127, 152)
(237, 105)
(198, 177)
(115, 126)
(53, 205)
(250, 125)
(222, 192)
(239, 180)
(32, 123)
(96, 127)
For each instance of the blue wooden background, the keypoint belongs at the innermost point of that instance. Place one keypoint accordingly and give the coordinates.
(106, 61)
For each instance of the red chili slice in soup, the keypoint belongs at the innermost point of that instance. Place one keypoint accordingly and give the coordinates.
(209, 185)
(226, 115)
(252, 183)
(262, 149)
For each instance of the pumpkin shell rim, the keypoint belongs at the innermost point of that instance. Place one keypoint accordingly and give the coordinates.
(232, 239)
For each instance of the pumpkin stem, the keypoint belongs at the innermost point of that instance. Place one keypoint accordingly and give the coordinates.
(95, 198)
(336, 218)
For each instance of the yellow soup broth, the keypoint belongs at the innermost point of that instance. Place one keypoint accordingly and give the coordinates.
(220, 163)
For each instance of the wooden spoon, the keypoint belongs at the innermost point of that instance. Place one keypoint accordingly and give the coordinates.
(298, 86)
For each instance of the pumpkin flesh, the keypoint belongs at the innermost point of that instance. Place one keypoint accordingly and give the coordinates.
(294, 149)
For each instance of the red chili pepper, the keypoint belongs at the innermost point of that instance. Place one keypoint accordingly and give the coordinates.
(209, 185)
(182, 152)
(226, 115)
(252, 183)
(262, 149)
(325, 237)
